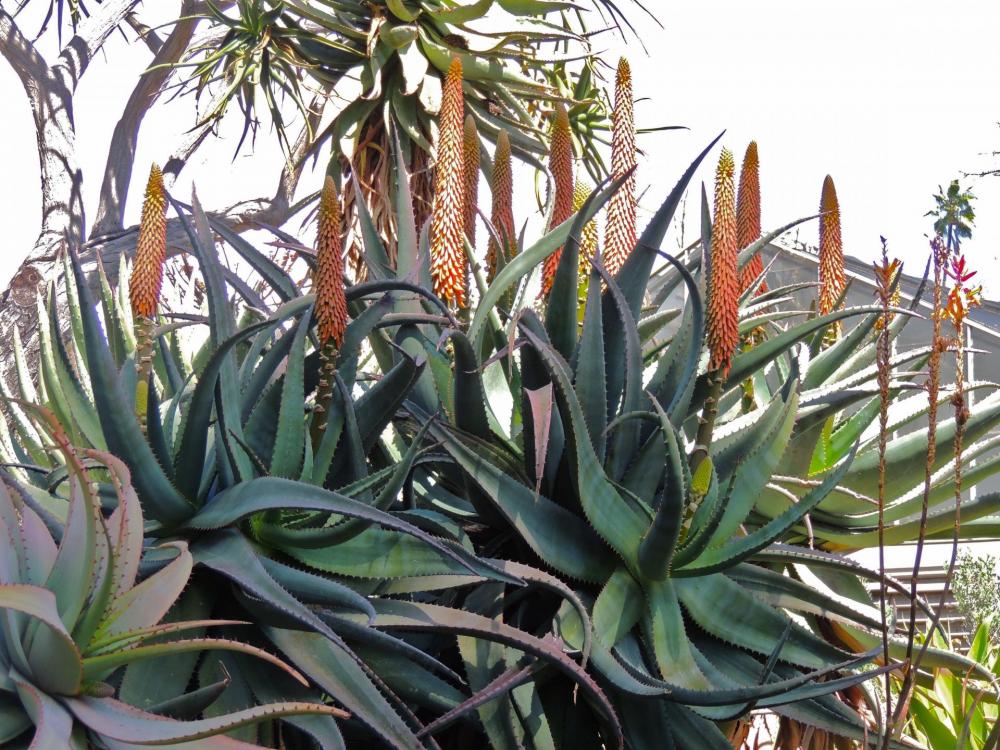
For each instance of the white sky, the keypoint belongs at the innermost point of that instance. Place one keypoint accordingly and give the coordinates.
(891, 98)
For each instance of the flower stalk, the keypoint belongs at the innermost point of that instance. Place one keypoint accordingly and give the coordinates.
(502, 214)
(447, 230)
(146, 281)
(722, 330)
(620, 233)
(748, 217)
(561, 167)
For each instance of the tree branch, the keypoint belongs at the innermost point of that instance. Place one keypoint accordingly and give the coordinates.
(26, 61)
(121, 152)
(91, 35)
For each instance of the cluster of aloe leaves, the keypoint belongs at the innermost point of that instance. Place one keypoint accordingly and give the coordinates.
(492, 536)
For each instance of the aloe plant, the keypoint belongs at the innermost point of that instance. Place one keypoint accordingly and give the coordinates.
(74, 614)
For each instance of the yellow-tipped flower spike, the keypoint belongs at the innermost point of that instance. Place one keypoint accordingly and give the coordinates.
(561, 166)
(588, 241)
(470, 177)
(502, 216)
(723, 330)
(831, 250)
(619, 236)
(748, 216)
(448, 262)
(151, 250)
(328, 278)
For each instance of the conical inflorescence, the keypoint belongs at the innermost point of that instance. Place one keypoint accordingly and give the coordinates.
(748, 217)
(831, 250)
(146, 279)
(723, 287)
(470, 177)
(447, 230)
(588, 239)
(620, 232)
(561, 166)
(328, 278)
(502, 214)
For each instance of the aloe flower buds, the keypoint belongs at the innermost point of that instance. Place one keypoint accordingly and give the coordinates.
(724, 288)
(328, 282)
(619, 237)
(151, 249)
(588, 241)
(448, 262)
(831, 250)
(561, 166)
(470, 176)
(502, 216)
(748, 216)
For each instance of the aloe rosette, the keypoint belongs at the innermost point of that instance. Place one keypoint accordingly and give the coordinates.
(75, 614)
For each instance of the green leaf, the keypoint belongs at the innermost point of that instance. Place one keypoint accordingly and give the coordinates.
(162, 501)
(58, 671)
(618, 607)
(289, 443)
(121, 721)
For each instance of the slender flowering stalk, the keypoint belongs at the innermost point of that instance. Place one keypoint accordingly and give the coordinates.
(885, 274)
(146, 280)
(502, 215)
(939, 257)
(748, 217)
(831, 250)
(619, 238)
(448, 262)
(722, 327)
(961, 299)
(331, 302)
(561, 166)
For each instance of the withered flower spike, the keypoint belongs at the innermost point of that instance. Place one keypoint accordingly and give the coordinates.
(748, 217)
(146, 279)
(831, 250)
(620, 233)
(561, 166)
(502, 216)
(723, 298)
(328, 281)
(447, 230)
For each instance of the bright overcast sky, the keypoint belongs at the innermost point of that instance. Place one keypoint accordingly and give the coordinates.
(891, 98)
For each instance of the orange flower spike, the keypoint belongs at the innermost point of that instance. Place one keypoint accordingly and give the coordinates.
(561, 166)
(620, 234)
(831, 250)
(328, 281)
(748, 216)
(723, 331)
(502, 216)
(146, 279)
(448, 262)
(470, 175)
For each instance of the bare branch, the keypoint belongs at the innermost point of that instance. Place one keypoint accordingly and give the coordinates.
(90, 36)
(149, 36)
(26, 61)
(51, 104)
(121, 152)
